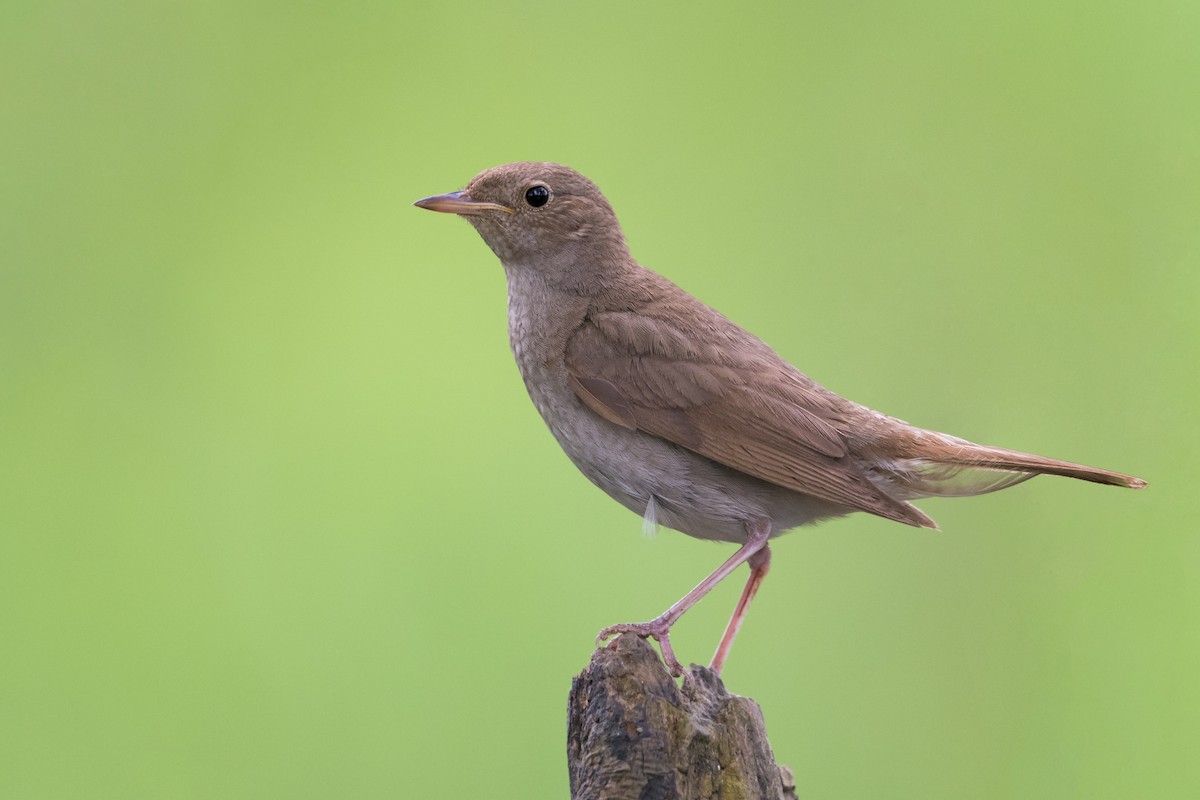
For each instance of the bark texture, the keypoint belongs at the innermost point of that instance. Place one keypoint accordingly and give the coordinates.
(634, 734)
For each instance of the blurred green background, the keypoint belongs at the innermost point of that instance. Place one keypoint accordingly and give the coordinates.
(277, 518)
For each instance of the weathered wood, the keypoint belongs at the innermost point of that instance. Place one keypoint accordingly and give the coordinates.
(634, 734)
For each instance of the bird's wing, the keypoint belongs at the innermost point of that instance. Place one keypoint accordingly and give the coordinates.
(725, 395)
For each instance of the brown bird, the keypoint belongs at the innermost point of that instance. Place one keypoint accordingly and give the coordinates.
(681, 415)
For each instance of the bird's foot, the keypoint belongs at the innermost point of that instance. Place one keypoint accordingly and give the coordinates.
(656, 629)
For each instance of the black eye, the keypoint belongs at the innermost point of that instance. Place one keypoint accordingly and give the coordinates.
(537, 196)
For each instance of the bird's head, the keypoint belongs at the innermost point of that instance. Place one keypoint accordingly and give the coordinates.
(539, 215)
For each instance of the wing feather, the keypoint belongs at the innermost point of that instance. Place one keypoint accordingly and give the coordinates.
(735, 402)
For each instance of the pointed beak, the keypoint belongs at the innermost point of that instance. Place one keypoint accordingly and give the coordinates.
(459, 203)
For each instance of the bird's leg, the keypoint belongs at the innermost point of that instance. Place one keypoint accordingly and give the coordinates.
(659, 628)
(760, 564)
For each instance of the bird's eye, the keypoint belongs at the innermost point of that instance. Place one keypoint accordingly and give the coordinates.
(537, 196)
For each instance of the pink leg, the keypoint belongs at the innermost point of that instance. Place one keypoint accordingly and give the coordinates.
(659, 628)
(760, 564)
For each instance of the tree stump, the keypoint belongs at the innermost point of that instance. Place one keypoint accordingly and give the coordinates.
(634, 734)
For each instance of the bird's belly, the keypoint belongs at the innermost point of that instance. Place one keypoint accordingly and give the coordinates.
(691, 493)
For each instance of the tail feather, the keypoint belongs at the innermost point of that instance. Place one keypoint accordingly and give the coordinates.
(974, 455)
(938, 465)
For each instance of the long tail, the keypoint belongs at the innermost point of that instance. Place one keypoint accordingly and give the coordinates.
(999, 458)
(938, 465)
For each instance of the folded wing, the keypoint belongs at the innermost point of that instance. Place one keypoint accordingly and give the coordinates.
(734, 402)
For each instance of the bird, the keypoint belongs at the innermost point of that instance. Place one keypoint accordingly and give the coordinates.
(683, 416)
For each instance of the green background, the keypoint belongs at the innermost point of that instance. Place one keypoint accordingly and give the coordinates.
(277, 519)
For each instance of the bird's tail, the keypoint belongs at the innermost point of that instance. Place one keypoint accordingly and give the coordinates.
(937, 465)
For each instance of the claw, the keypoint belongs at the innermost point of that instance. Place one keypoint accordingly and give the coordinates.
(658, 630)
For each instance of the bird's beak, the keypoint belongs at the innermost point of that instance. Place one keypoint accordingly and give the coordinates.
(459, 203)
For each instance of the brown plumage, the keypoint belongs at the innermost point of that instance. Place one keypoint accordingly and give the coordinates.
(672, 408)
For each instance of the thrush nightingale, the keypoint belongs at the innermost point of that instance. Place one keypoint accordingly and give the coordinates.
(681, 415)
